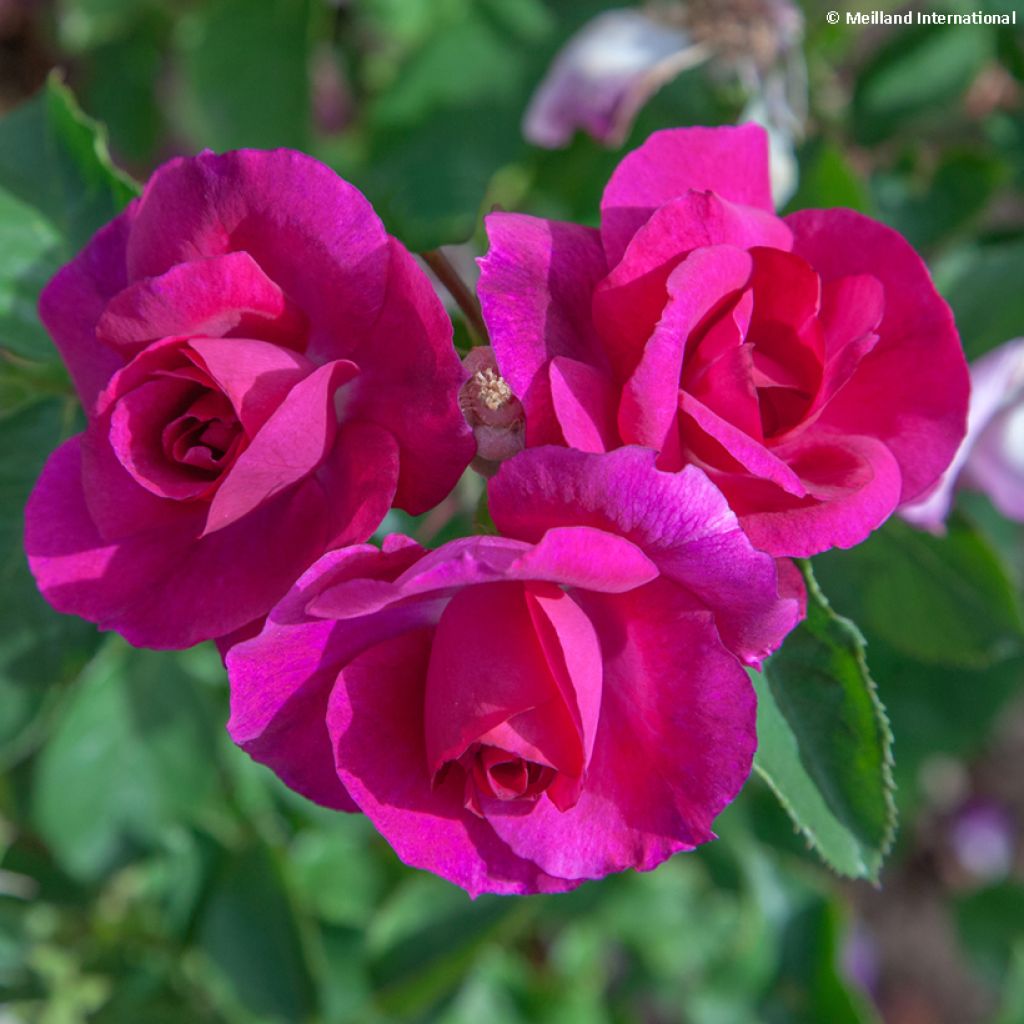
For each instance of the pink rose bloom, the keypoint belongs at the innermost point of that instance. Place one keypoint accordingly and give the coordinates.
(523, 712)
(991, 458)
(807, 364)
(264, 371)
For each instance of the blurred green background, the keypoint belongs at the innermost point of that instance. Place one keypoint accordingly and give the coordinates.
(150, 873)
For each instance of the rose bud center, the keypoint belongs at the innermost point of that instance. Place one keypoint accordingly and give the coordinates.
(758, 360)
(501, 706)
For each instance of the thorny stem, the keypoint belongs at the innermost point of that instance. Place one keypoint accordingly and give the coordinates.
(464, 298)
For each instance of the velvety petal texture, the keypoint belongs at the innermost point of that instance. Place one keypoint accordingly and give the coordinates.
(807, 365)
(520, 713)
(264, 373)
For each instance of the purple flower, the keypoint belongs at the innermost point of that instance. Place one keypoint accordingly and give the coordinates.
(523, 712)
(612, 66)
(991, 457)
(264, 372)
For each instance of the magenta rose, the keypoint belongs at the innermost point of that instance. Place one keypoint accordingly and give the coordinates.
(807, 364)
(519, 713)
(264, 372)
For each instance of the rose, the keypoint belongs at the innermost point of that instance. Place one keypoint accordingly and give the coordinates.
(991, 458)
(807, 364)
(264, 370)
(518, 713)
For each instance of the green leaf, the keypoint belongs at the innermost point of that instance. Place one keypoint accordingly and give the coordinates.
(55, 159)
(131, 753)
(424, 938)
(39, 649)
(916, 76)
(945, 600)
(57, 187)
(956, 193)
(250, 933)
(827, 179)
(824, 740)
(246, 76)
(446, 113)
(985, 287)
(333, 871)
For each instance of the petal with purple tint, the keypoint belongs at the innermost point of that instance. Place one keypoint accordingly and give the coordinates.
(731, 162)
(209, 297)
(312, 234)
(678, 520)
(604, 75)
(535, 290)
(911, 390)
(409, 379)
(74, 299)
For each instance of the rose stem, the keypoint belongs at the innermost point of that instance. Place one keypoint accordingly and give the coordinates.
(464, 298)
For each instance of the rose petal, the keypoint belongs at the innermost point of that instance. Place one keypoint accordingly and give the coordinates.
(293, 442)
(853, 485)
(408, 384)
(699, 285)
(377, 705)
(209, 297)
(731, 162)
(72, 302)
(630, 300)
(674, 745)
(584, 403)
(255, 375)
(162, 588)
(603, 75)
(535, 291)
(487, 666)
(911, 390)
(314, 235)
(678, 520)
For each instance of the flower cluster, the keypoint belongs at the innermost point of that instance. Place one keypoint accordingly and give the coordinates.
(673, 405)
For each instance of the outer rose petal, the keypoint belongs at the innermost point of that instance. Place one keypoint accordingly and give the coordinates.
(679, 520)
(163, 588)
(853, 487)
(208, 297)
(409, 380)
(584, 404)
(313, 234)
(673, 747)
(281, 679)
(377, 706)
(72, 302)
(575, 556)
(732, 162)
(360, 475)
(911, 390)
(535, 290)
